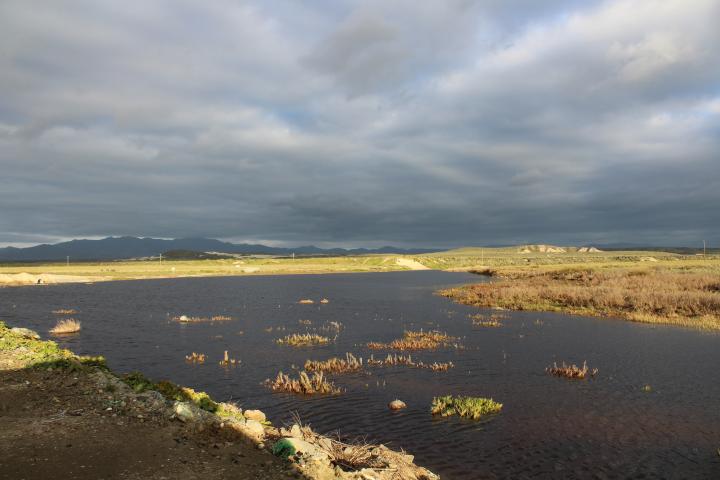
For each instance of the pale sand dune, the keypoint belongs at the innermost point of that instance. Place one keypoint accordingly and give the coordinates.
(410, 263)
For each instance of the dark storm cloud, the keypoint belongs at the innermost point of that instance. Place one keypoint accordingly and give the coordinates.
(440, 123)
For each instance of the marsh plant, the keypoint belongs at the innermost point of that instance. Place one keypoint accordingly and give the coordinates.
(303, 340)
(67, 326)
(571, 371)
(227, 361)
(304, 384)
(306, 301)
(480, 320)
(407, 360)
(416, 340)
(190, 319)
(65, 311)
(469, 407)
(195, 357)
(335, 365)
(220, 318)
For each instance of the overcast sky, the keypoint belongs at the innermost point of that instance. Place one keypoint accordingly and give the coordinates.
(431, 123)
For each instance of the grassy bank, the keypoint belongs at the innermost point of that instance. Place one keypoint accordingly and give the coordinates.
(687, 295)
(135, 269)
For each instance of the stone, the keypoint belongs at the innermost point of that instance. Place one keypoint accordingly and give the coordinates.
(307, 449)
(184, 412)
(295, 431)
(25, 333)
(397, 405)
(256, 415)
(253, 429)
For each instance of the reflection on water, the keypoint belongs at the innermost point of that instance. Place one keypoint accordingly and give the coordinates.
(607, 427)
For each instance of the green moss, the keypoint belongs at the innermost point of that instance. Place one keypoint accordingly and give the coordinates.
(470, 407)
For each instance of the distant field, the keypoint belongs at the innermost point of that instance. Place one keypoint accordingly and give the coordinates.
(128, 270)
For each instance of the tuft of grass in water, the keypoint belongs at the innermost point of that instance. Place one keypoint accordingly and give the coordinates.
(65, 311)
(63, 327)
(469, 407)
(195, 358)
(227, 361)
(306, 301)
(220, 318)
(304, 384)
(416, 340)
(395, 359)
(571, 371)
(480, 320)
(303, 340)
(335, 365)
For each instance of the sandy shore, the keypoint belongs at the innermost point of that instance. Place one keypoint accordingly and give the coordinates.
(44, 278)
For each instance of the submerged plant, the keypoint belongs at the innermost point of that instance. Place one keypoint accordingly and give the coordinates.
(305, 384)
(303, 340)
(571, 371)
(335, 365)
(69, 325)
(480, 320)
(395, 359)
(470, 407)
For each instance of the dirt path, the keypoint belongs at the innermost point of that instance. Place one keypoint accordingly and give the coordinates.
(411, 264)
(57, 425)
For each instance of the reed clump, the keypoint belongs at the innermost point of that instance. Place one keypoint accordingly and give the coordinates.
(571, 371)
(227, 361)
(195, 357)
(407, 360)
(303, 340)
(65, 311)
(416, 340)
(675, 297)
(69, 325)
(306, 301)
(189, 319)
(304, 384)
(305, 322)
(469, 407)
(220, 318)
(480, 320)
(335, 365)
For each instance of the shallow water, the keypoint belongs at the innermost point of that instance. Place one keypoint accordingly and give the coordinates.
(606, 427)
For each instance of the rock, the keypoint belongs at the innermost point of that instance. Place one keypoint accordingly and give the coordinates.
(397, 405)
(307, 449)
(253, 429)
(25, 333)
(256, 415)
(184, 412)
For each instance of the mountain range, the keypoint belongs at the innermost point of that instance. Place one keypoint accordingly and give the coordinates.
(116, 248)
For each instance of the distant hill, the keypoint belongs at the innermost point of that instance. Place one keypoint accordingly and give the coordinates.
(116, 248)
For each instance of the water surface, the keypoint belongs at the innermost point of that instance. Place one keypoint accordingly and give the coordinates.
(607, 427)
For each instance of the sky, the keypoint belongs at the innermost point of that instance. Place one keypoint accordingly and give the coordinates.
(361, 123)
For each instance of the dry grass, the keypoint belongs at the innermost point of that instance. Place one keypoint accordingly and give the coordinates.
(470, 407)
(571, 371)
(419, 340)
(305, 322)
(65, 311)
(306, 301)
(480, 320)
(195, 358)
(304, 384)
(335, 365)
(69, 325)
(303, 340)
(407, 360)
(227, 361)
(220, 318)
(650, 295)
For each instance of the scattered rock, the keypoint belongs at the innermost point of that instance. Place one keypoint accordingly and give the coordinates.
(256, 415)
(397, 405)
(184, 412)
(253, 429)
(25, 333)
(306, 449)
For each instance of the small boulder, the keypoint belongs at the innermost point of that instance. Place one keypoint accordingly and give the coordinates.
(256, 415)
(25, 333)
(397, 405)
(253, 429)
(184, 412)
(306, 449)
